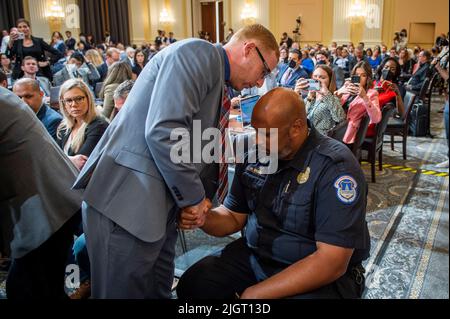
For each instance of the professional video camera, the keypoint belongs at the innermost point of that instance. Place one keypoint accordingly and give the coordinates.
(296, 31)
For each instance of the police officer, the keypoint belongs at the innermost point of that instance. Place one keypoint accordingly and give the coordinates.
(305, 228)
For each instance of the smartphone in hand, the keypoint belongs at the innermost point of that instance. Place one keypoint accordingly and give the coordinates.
(356, 79)
(314, 85)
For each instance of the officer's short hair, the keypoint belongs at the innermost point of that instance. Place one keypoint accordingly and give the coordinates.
(30, 83)
(123, 90)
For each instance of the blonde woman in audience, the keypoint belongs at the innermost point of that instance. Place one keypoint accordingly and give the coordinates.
(94, 57)
(324, 110)
(118, 73)
(81, 127)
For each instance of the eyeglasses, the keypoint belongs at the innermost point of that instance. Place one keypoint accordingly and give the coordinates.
(76, 100)
(267, 70)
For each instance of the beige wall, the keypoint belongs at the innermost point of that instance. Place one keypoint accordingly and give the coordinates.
(312, 17)
(421, 11)
(278, 15)
(36, 11)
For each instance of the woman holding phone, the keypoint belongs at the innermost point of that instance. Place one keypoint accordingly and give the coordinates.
(324, 110)
(23, 44)
(358, 98)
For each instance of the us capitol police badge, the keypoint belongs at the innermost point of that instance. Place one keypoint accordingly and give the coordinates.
(302, 178)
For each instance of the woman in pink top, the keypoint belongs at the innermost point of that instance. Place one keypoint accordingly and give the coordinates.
(359, 100)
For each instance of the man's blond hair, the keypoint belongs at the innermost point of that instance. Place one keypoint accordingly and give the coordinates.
(260, 34)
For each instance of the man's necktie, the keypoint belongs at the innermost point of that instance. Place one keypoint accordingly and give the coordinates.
(223, 166)
(287, 76)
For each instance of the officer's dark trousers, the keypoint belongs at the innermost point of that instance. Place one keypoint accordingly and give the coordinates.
(229, 272)
(40, 273)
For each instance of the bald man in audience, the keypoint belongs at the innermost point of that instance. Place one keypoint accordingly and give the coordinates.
(305, 228)
(29, 91)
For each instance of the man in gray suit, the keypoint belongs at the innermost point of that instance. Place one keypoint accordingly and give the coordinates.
(133, 191)
(39, 211)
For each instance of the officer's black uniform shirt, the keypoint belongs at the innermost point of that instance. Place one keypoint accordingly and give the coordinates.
(319, 196)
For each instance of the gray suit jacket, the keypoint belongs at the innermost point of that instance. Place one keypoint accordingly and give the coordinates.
(129, 177)
(36, 198)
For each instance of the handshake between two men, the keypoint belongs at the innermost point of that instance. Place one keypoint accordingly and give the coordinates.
(194, 217)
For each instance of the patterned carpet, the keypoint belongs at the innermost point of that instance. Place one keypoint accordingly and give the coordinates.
(408, 221)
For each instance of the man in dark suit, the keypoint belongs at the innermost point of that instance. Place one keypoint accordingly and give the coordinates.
(359, 56)
(418, 78)
(38, 209)
(70, 42)
(29, 91)
(292, 71)
(134, 187)
(112, 56)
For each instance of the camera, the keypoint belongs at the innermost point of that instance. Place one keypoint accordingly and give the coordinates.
(21, 36)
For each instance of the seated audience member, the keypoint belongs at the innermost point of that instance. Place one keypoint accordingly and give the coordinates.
(393, 53)
(295, 245)
(322, 58)
(387, 87)
(384, 52)
(129, 56)
(3, 80)
(96, 59)
(406, 65)
(81, 127)
(284, 55)
(77, 68)
(387, 84)
(70, 42)
(358, 57)
(359, 100)
(118, 73)
(30, 68)
(374, 58)
(140, 61)
(343, 61)
(29, 91)
(112, 56)
(5, 64)
(81, 48)
(58, 42)
(420, 74)
(289, 74)
(39, 208)
(120, 96)
(323, 109)
(307, 62)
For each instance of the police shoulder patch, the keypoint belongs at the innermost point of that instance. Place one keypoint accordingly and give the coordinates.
(346, 189)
